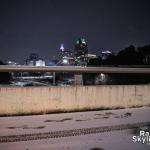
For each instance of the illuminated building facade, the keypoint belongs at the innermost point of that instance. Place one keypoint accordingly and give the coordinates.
(65, 56)
(105, 54)
(81, 52)
(80, 48)
(34, 60)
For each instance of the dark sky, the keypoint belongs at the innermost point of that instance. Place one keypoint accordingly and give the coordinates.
(42, 25)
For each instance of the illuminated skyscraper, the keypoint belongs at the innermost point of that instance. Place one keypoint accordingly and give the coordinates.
(65, 56)
(61, 51)
(81, 48)
(62, 47)
(81, 52)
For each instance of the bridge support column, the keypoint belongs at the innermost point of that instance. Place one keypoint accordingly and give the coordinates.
(54, 81)
(78, 79)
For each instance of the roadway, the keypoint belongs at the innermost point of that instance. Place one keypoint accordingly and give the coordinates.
(104, 130)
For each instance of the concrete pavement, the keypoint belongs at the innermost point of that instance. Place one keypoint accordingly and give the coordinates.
(67, 121)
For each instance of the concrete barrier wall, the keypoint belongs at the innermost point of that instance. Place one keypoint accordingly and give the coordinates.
(24, 100)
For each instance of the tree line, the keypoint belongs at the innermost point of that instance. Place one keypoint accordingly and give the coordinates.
(128, 56)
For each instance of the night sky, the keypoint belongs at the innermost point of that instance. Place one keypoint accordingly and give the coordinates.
(42, 25)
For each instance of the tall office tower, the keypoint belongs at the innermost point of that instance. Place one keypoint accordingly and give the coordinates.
(80, 52)
(80, 47)
(65, 56)
(62, 47)
(61, 51)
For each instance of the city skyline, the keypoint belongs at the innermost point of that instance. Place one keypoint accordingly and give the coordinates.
(41, 27)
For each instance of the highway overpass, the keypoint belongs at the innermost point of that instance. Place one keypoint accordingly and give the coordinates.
(73, 69)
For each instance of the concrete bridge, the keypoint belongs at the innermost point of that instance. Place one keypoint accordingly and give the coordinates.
(27, 100)
(73, 69)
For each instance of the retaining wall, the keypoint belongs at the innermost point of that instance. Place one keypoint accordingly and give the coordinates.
(24, 100)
